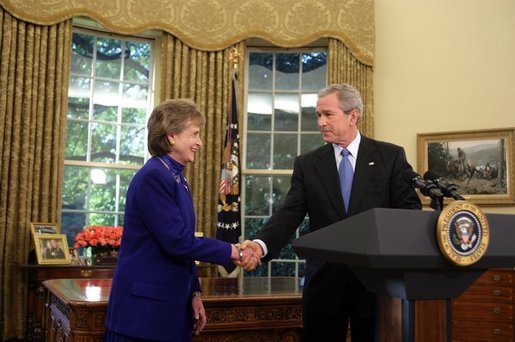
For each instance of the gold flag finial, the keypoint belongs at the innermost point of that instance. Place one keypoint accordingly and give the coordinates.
(234, 57)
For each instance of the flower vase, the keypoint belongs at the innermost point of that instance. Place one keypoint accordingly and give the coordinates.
(105, 256)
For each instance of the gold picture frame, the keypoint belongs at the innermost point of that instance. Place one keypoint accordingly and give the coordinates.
(52, 249)
(478, 162)
(44, 228)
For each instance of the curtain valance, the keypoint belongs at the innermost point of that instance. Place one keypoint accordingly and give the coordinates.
(216, 24)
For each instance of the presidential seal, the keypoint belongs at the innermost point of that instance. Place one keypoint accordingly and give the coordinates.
(462, 233)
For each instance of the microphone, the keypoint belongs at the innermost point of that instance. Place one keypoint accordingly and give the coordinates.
(426, 187)
(448, 190)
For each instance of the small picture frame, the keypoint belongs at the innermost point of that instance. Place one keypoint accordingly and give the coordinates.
(44, 228)
(52, 249)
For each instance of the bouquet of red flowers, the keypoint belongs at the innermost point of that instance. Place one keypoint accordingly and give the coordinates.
(99, 236)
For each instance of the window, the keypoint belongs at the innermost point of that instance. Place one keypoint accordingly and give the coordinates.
(109, 96)
(280, 124)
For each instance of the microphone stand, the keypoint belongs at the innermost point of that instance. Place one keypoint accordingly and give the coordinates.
(436, 202)
(431, 190)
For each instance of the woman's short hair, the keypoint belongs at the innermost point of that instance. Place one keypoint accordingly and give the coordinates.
(170, 116)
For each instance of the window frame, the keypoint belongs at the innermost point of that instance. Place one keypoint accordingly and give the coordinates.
(270, 171)
(84, 26)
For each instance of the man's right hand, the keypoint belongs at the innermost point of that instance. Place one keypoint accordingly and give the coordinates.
(258, 252)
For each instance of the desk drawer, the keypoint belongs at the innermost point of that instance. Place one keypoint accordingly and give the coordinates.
(496, 278)
(481, 331)
(72, 273)
(480, 311)
(488, 294)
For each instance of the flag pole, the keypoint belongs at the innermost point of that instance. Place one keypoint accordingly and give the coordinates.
(229, 216)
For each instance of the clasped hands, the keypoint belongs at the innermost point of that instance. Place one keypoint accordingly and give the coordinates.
(249, 255)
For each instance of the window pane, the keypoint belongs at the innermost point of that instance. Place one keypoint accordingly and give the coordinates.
(101, 219)
(75, 187)
(109, 58)
(105, 113)
(78, 97)
(120, 220)
(135, 96)
(106, 101)
(253, 226)
(285, 150)
(125, 179)
(76, 140)
(132, 145)
(103, 190)
(137, 62)
(302, 269)
(304, 227)
(257, 196)
(134, 115)
(314, 71)
(287, 71)
(287, 252)
(103, 142)
(260, 71)
(308, 103)
(258, 151)
(281, 185)
(71, 224)
(286, 108)
(283, 269)
(309, 142)
(259, 112)
(82, 54)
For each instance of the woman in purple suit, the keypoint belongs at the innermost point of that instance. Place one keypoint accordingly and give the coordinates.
(155, 293)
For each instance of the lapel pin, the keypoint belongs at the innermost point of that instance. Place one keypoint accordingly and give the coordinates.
(371, 163)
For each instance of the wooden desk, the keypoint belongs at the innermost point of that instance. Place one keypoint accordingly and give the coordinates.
(36, 325)
(249, 309)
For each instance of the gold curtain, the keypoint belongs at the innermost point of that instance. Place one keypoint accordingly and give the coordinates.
(34, 72)
(204, 77)
(213, 25)
(344, 67)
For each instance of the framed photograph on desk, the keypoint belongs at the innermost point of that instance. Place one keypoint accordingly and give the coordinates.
(52, 249)
(44, 228)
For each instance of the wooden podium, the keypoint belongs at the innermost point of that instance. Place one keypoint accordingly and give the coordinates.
(394, 253)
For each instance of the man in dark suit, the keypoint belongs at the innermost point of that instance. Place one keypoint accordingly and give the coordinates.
(332, 295)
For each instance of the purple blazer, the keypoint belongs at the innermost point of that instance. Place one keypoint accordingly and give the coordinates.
(156, 273)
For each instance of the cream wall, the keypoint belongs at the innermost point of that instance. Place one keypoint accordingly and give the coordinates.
(443, 65)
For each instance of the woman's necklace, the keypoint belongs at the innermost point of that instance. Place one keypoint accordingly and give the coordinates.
(175, 175)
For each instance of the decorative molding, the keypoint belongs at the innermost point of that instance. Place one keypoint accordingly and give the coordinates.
(82, 320)
(216, 24)
(254, 315)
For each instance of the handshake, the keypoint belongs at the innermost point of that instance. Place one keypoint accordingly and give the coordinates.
(247, 255)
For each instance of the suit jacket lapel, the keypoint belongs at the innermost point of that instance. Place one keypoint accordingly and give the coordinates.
(326, 167)
(365, 167)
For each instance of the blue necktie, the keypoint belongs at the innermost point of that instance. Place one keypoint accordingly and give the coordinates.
(346, 174)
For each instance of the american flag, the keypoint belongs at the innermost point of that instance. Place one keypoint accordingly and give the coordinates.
(229, 216)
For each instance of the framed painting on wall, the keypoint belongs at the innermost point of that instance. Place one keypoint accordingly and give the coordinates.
(479, 163)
